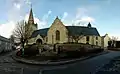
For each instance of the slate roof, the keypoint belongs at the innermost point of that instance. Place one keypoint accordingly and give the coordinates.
(42, 32)
(82, 30)
(72, 30)
(4, 39)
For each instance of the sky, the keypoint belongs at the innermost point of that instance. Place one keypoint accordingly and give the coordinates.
(103, 14)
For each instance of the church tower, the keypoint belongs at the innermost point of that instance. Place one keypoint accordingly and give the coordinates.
(30, 24)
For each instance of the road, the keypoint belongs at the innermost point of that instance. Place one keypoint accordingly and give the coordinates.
(89, 66)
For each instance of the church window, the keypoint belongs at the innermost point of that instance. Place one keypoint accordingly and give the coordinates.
(87, 38)
(96, 38)
(96, 43)
(46, 39)
(57, 35)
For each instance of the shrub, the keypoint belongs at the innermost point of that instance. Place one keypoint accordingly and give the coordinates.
(31, 50)
(96, 50)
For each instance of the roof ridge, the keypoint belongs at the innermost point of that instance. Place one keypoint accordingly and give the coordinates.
(80, 26)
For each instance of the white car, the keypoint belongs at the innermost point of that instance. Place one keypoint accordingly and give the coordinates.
(18, 47)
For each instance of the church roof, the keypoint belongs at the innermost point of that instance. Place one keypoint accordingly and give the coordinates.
(41, 32)
(82, 30)
(72, 30)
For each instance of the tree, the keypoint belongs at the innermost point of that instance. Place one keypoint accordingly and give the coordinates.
(114, 38)
(12, 39)
(77, 38)
(22, 32)
(113, 41)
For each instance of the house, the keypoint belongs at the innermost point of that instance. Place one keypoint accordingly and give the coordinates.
(105, 40)
(5, 44)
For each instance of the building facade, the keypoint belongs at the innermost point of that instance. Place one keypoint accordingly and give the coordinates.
(5, 44)
(59, 33)
(105, 40)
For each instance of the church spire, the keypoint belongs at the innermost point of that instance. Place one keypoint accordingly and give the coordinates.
(31, 18)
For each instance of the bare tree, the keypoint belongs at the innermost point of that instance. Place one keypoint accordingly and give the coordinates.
(77, 37)
(112, 43)
(22, 32)
(12, 38)
(114, 38)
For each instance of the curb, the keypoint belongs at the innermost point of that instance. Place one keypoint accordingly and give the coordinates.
(48, 63)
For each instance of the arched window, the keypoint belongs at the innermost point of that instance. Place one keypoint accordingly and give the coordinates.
(96, 43)
(87, 38)
(57, 35)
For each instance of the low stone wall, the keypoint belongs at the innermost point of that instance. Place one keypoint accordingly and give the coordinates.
(73, 47)
(114, 49)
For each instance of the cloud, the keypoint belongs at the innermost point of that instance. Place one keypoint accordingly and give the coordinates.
(83, 15)
(17, 3)
(15, 13)
(7, 28)
(83, 20)
(80, 12)
(64, 16)
(45, 16)
(87, 19)
(18, 6)
(44, 20)
(28, 2)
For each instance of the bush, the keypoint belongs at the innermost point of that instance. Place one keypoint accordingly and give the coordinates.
(71, 54)
(96, 50)
(31, 50)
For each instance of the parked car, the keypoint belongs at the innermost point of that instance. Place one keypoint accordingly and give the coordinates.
(18, 47)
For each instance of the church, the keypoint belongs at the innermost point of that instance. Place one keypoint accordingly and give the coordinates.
(59, 33)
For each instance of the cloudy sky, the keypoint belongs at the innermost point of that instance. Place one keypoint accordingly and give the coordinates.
(103, 14)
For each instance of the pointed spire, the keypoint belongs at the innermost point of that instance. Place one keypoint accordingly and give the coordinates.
(89, 25)
(31, 18)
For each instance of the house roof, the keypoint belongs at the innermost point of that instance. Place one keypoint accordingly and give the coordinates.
(72, 30)
(4, 39)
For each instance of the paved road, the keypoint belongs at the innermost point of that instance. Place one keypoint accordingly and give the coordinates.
(89, 66)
